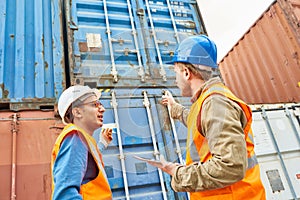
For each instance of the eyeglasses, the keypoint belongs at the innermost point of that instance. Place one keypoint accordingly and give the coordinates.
(96, 103)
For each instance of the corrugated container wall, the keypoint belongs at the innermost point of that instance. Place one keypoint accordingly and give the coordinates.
(31, 54)
(264, 66)
(27, 138)
(277, 146)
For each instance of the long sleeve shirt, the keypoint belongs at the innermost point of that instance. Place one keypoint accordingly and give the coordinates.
(222, 122)
(74, 166)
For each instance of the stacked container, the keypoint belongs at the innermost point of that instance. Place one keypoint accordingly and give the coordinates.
(32, 76)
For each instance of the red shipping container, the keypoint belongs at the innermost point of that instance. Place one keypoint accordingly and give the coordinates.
(264, 66)
(26, 143)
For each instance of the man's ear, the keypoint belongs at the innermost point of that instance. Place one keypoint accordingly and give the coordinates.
(187, 73)
(76, 112)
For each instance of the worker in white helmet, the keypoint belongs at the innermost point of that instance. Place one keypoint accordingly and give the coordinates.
(220, 158)
(77, 167)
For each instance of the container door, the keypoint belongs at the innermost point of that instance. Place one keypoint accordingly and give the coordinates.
(277, 145)
(143, 130)
(126, 43)
(105, 45)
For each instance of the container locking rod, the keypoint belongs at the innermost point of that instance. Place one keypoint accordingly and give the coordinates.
(146, 103)
(122, 156)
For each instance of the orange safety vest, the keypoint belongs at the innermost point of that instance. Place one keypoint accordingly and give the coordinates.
(97, 189)
(197, 150)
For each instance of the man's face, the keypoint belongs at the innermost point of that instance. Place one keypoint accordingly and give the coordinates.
(182, 79)
(92, 113)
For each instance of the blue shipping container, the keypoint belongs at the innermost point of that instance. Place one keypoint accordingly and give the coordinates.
(122, 43)
(143, 129)
(31, 54)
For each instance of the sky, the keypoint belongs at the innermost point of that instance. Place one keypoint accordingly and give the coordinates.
(226, 21)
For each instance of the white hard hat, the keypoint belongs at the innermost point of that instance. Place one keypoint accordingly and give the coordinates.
(72, 94)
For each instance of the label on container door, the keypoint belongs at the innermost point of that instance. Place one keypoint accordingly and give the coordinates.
(93, 40)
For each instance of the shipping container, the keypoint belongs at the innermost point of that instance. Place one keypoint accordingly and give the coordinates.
(119, 43)
(143, 129)
(32, 72)
(27, 138)
(264, 66)
(277, 145)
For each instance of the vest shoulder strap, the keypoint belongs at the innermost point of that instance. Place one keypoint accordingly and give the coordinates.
(221, 89)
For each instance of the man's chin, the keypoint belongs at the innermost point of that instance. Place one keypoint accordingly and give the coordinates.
(100, 124)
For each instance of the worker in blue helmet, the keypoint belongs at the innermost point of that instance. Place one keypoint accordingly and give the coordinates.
(220, 158)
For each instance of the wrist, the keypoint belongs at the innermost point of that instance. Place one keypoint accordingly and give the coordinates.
(171, 168)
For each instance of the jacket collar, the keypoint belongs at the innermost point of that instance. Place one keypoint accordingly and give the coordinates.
(204, 87)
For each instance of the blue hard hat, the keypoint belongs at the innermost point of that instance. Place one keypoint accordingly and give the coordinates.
(199, 50)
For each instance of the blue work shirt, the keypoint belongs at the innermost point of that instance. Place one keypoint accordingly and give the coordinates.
(74, 166)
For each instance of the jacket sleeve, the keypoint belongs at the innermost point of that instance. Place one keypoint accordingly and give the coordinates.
(222, 124)
(179, 112)
(69, 168)
(101, 146)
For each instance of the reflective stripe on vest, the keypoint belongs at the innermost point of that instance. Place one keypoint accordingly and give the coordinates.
(198, 151)
(91, 145)
(97, 188)
(193, 152)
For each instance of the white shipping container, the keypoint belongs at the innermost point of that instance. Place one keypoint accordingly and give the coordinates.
(277, 145)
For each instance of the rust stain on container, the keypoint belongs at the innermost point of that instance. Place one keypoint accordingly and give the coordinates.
(36, 134)
(264, 66)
